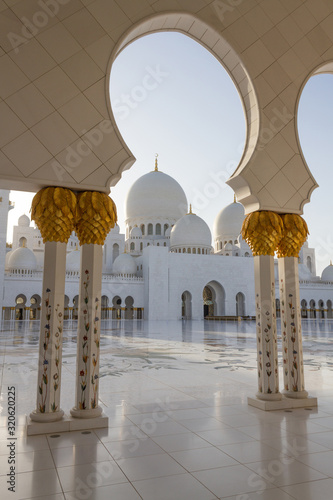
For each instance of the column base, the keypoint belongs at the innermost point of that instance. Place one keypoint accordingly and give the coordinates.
(283, 404)
(92, 413)
(67, 424)
(36, 416)
(295, 395)
(264, 396)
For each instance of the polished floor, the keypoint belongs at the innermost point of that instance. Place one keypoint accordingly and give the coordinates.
(179, 424)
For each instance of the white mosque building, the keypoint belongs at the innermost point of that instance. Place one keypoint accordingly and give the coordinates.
(166, 266)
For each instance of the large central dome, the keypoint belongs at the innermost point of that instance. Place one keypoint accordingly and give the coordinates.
(155, 195)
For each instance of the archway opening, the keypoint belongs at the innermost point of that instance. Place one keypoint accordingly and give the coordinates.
(213, 300)
(186, 305)
(240, 304)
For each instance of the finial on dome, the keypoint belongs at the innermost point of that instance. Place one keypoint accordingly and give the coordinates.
(156, 163)
(235, 198)
(190, 210)
(24, 244)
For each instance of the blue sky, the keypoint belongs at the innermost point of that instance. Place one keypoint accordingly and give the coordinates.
(172, 97)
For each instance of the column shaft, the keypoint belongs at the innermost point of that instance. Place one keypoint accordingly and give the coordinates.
(88, 337)
(51, 329)
(293, 370)
(267, 358)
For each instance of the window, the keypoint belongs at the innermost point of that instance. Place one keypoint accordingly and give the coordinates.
(141, 246)
(164, 244)
(188, 250)
(199, 251)
(142, 227)
(158, 229)
(158, 244)
(194, 250)
(150, 229)
(132, 247)
(166, 226)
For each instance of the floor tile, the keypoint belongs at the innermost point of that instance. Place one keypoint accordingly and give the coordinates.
(224, 436)
(280, 473)
(66, 439)
(233, 480)
(315, 490)
(77, 454)
(81, 478)
(203, 424)
(122, 491)
(182, 487)
(31, 484)
(133, 448)
(150, 466)
(274, 494)
(203, 458)
(180, 442)
(322, 462)
(250, 452)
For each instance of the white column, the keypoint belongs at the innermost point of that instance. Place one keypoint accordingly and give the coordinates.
(267, 356)
(88, 335)
(293, 370)
(51, 329)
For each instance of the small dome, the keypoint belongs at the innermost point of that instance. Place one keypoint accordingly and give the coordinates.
(8, 255)
(155, 195)
(191, 231)
(22, 258)
(228, 223)
(124, 264)
(24, 221)
(73, 261)
(327, 274)
(115, 229)
(136, 232)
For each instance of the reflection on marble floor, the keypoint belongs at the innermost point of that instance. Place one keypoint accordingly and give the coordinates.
(180, 427)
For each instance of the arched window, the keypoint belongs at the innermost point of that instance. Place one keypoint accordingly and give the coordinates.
(23, 242)
(247, 254)
(188, 250)
(150, 229)
(115, 251)
(166, 226)
(142, 227)
(309, 263)
(194, 250)
(141, 246)
(158, 229)
(235, 242)
(164, 244)
(199, 251)
(157, 244)
(184, 250)
(132, 247)
(220, 245)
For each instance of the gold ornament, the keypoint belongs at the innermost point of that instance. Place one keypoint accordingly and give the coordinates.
(262, 231)
(295, 233)
(96, 214)
(53, 210)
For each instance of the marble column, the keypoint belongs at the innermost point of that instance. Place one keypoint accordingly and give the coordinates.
(53, 210)
(96, 215)
(293, 370)
(50, 343)
(88, 337)
(267, 353)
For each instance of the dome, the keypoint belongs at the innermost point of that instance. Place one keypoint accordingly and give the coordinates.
(229, 220)
(155, 195)
(73, 261)
(124, 264)
(24, 221)
(327, 274)
(22, 258)
(190, 231)
(136, 232)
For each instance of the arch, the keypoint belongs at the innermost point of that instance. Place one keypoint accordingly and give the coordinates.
(115, 251)
(22, 242)
(158, 229)
(129, 301)
(20, 302)
(329, 309)
(166, 226)
(240, 304)
(312, 308)
(190, 25)
(35, 303)
(141, 246)
(132, 246)
(116, 307)
(150, 229)
(142, 227)
(214, 299)
(75, 307)
(186, 305)
(321, 310)
(304, 308)
(104, 307)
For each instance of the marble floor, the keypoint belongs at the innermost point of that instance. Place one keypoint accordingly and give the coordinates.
(179, 424)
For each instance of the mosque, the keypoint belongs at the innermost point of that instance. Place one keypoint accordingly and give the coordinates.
(166, 266)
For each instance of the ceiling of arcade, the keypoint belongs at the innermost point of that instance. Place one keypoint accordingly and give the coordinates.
(56, 122)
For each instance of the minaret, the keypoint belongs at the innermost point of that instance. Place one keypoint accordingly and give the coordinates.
(5, 206)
